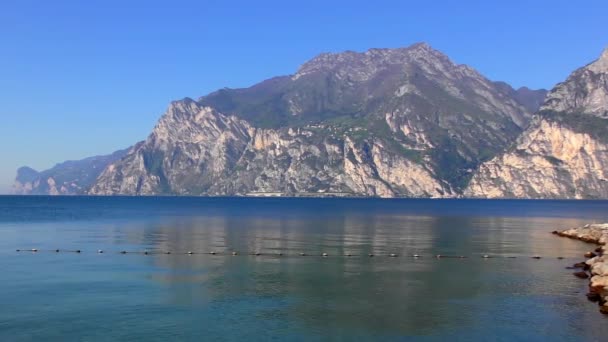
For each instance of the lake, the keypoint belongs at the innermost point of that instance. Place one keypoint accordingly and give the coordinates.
(280, 294)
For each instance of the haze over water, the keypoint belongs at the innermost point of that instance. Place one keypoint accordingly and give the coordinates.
(102, 297)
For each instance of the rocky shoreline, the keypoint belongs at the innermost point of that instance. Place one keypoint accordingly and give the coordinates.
(596, 266)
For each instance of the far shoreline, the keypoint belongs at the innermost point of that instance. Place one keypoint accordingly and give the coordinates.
(278, 197)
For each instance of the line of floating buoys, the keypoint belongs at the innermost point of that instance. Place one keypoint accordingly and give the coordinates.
(441, 256)
(280, 254)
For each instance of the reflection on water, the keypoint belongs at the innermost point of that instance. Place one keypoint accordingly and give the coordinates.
(380, 235)
(161, 296)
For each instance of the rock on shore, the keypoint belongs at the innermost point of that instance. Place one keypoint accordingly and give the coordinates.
(597, 266)
(591, 233)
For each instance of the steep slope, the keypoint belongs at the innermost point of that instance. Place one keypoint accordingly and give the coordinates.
(564, 152)
(431, 105)
(530, 99)
(197, 150)
(386, 122)
(67, 178)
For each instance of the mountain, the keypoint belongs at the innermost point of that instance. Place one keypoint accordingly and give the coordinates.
(385, 122)
(67, 178)
(564, 151)
(530, 99)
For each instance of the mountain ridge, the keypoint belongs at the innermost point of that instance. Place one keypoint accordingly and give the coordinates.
(405, 122)
(564, 151)
(385, 122)
(70, 177)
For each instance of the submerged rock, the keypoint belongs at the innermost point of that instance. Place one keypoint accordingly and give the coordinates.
(594, 296)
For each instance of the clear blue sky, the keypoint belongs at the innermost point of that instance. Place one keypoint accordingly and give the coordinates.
(80, 78)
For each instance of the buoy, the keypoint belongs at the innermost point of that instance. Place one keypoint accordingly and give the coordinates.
(146, 252)
(100, 251)
(324, 254)
(56, 251)
(392, 255)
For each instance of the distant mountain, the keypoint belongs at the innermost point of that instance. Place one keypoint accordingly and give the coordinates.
(564, 151)
(530, 99)
(67, 178)
(385, 122)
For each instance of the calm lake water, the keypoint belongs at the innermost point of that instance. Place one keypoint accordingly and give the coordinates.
(68, 296)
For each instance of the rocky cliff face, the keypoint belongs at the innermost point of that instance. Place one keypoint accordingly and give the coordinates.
(67, 178)
(386, 122)
(196, 150)
(585, 91)
(564, 151)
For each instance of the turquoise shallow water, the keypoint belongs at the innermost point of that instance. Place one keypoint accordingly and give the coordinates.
(111, 296)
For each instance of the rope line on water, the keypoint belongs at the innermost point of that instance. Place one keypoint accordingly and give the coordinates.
(281, 254)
